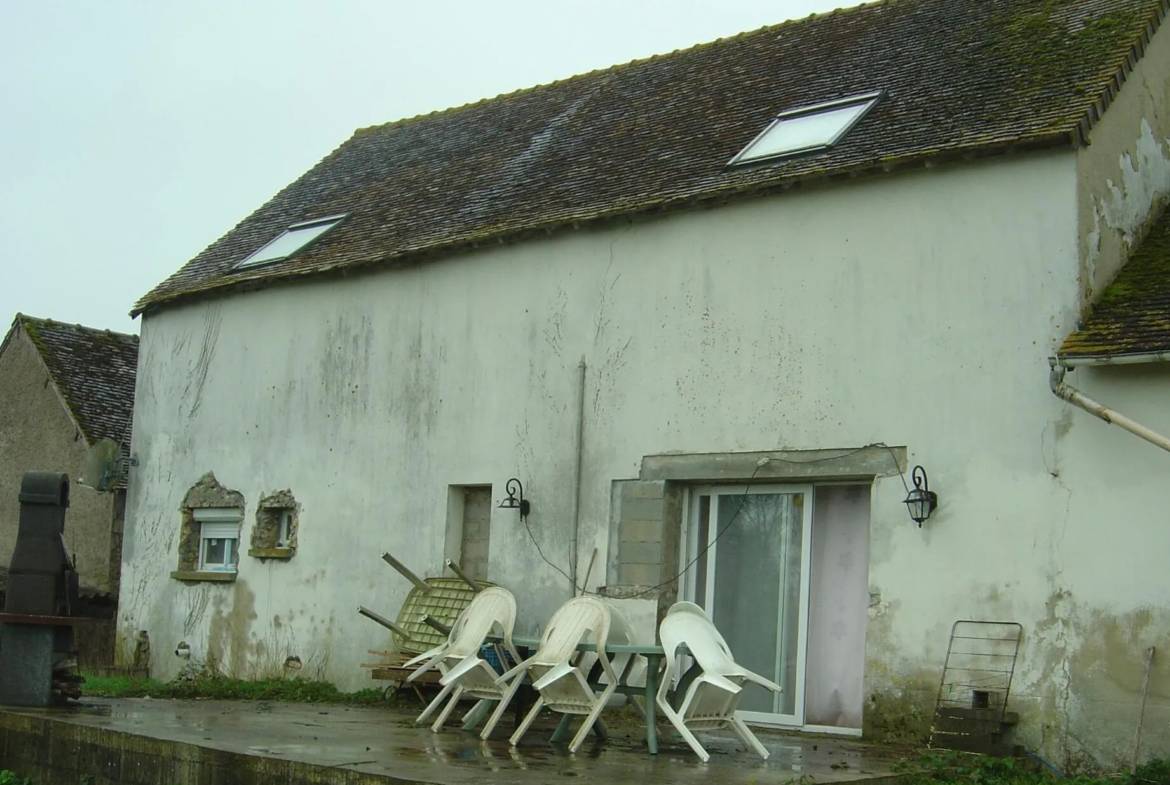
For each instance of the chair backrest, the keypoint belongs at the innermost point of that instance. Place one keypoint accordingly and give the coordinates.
(683, 606)
(489, 608)
(571, 623)
(702, 640)
(695, 610)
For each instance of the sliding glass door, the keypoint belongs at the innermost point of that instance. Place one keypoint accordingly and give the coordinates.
(752, 545)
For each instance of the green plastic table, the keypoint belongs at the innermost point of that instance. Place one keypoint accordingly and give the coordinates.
(654, 655)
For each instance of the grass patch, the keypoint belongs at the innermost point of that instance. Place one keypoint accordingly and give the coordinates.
(208, 687)
(957, 768)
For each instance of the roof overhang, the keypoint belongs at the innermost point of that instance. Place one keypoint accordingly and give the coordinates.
(1136, 358)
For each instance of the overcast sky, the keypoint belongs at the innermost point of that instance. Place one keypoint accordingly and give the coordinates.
(135, 133)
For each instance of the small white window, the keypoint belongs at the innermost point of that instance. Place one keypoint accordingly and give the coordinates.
(284, 530)
(807, 129)
(294, 239)
(219, 538)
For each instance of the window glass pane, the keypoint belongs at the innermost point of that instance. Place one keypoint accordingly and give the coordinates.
(282, 530)
(757, 590)
(288, 243)
(811, 130)
(215, 551)
(702, 537)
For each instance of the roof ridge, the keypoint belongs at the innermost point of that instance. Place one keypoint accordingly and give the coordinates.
(23, 318)
(1133, 56)
(403, 121)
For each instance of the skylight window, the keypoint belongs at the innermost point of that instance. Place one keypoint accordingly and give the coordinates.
(807, 129)
(294, 239)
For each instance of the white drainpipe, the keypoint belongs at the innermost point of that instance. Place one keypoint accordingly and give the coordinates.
(1078, 398)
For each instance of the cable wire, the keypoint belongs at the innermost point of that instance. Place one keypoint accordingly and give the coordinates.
(723, 529)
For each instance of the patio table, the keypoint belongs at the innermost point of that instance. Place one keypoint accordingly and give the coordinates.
(654, 655)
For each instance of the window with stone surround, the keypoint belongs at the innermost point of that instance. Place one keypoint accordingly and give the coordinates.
(209, 532)
(275, 534)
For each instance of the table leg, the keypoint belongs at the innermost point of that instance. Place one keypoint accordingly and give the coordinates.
(562, 728)
(477, 714)
(652, 663)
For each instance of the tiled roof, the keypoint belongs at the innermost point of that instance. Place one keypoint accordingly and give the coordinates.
(93, 370)
(1133, 314)
(962, 78)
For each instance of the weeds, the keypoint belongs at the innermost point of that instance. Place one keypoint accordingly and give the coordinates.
(210, 687)
(957, 768)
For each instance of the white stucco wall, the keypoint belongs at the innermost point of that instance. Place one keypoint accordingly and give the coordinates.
(915, 310)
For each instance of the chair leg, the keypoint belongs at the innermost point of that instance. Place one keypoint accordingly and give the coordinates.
(590, 718)
(438, 726)
(680, 726)
(749, 738)
(499, 712)
(519, 734)
(430, 709)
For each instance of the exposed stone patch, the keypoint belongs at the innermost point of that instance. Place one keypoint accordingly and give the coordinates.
(267, 542)
(206, 493)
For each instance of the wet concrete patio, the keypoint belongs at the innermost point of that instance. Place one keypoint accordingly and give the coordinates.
(174, 742)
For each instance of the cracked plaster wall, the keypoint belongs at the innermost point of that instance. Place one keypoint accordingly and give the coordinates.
(915, 309)
(1123, 176)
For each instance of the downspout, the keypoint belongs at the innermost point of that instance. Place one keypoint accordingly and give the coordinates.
(1079, 399)
(577, 470)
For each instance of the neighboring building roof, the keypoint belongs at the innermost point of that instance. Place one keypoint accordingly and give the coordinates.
(962, 78)
(94, 372)
(1133, 314)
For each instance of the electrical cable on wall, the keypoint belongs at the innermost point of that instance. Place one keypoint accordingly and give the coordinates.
(723, 529)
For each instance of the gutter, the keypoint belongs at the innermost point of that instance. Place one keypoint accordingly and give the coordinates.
(1114, 359)
(1062, 390)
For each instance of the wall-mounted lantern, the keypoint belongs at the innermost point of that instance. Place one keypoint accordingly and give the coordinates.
(515, 499)
(921, 501)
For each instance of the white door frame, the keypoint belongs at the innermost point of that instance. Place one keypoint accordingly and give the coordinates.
(692, 548)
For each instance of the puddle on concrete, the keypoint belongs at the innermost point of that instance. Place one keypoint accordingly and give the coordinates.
(385, 742)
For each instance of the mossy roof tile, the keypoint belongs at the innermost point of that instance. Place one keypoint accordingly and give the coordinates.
(94, 370)
(1133, 314)
(961, 77)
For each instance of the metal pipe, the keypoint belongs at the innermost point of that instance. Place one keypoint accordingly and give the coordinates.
(588, 572)
(435, 624)
(1079, 399)
(410, 576)
(574, 546)
(455, 568)
(1116, 359)
(1137, 738)
(369, 614)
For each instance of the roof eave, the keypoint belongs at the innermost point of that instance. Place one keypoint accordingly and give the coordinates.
(1062, 137)
(1119, 358)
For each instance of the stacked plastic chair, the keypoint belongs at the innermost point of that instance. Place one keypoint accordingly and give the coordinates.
(559, 675)
(465, 672)
(711, 699)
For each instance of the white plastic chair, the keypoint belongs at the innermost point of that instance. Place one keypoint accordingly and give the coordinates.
(465, 673)
(557, 673)
(711, 699)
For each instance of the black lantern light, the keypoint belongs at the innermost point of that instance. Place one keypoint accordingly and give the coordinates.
(921, 501)
(515, 499)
